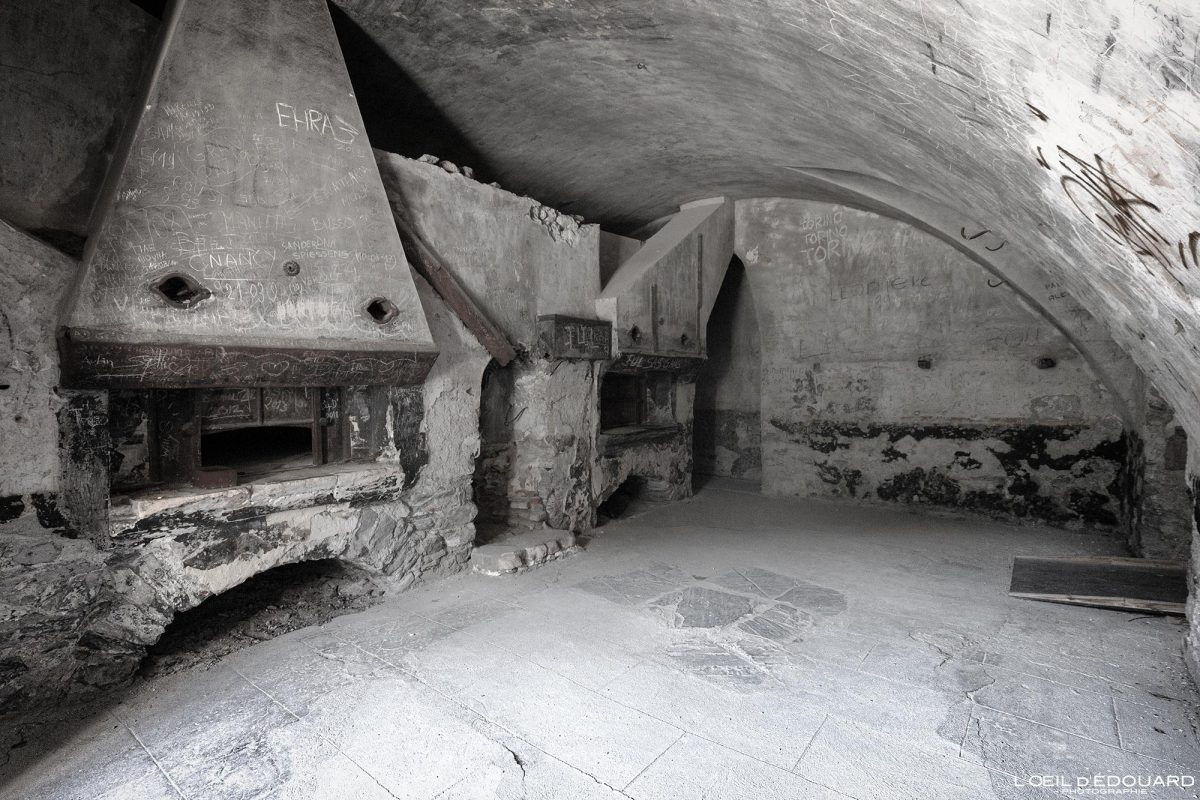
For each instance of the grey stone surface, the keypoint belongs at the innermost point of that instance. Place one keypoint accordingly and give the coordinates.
(661, 116)
(845, 410)
(523, 551)
(568, 681)
(96, 592)
(71, 74)
(699, 607)
(724, 773)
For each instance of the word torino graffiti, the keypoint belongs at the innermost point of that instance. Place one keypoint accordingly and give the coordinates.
(1122, 213)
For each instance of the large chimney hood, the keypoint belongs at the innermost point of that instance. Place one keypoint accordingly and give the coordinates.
(243, 237)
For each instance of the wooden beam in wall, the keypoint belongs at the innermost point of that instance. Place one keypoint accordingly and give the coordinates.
(430, 265)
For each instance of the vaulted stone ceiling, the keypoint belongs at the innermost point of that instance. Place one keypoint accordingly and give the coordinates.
(1066, 128)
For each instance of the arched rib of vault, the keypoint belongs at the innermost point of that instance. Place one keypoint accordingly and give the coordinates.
(1069, 125)
(991, 250)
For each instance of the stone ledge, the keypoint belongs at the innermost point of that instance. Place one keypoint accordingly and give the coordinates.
(286, 491)
(519, 553)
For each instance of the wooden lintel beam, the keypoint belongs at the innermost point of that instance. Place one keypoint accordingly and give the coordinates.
(430, 265)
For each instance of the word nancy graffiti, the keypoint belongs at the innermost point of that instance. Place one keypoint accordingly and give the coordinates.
(1125, 216)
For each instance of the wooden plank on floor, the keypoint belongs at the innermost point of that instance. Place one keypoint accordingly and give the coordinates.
(1132, 584)
(1114, 603)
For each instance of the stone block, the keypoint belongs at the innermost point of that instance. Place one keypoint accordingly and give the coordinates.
(519, 553)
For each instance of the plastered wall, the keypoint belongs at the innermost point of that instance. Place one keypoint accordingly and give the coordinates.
(896, 370)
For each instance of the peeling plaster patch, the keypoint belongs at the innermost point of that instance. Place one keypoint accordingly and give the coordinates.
(11, 507)
(1007, 471)
(561, 227)
(733, 438)
(1056, 407)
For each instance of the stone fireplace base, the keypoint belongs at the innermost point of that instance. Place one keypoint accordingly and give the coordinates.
(172, 551)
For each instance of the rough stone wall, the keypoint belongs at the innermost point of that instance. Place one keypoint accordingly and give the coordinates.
(1162, 526)
(32, 280)
(69, 75)
(85, 593)
(1191, 648)
(517, 259)
(50, 576)
(728, 423)
(554, 423)
(895, 369)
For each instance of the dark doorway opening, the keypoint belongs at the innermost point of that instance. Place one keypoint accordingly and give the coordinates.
(727, 421)
(493, 467)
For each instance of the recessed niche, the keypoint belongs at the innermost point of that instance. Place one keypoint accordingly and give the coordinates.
(259, 450)
(622, 400)
(382, 310)
(180, 290)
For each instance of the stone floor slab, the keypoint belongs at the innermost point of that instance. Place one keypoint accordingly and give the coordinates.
(703, 649)
(770, 725)
(695, 768)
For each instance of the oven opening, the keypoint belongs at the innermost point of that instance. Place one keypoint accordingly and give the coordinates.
(258, 450)
(621, 401)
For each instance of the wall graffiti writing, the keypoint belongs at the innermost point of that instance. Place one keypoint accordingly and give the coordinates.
(897, 284)
(563, 337)
(312, 120)
(1126, 217)
(972, 237)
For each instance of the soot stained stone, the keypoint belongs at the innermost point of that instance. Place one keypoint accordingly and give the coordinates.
(780, 624)
(756, 581)
(11, 507)
(819, 599)
(697, 607)
(48, 515)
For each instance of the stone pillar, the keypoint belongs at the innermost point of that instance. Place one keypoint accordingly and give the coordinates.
(554, 407)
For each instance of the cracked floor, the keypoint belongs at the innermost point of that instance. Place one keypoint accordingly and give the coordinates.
(731, 646)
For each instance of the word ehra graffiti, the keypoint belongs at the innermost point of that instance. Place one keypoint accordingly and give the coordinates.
(312, 120)
(1125, 216)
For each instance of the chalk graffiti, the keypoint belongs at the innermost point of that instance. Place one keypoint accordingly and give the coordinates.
(312, 120)
(250, 179)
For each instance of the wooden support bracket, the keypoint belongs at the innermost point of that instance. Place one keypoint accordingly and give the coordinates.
(430, 265)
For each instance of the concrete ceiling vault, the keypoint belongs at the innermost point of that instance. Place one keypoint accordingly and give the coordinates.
(1067, 127)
